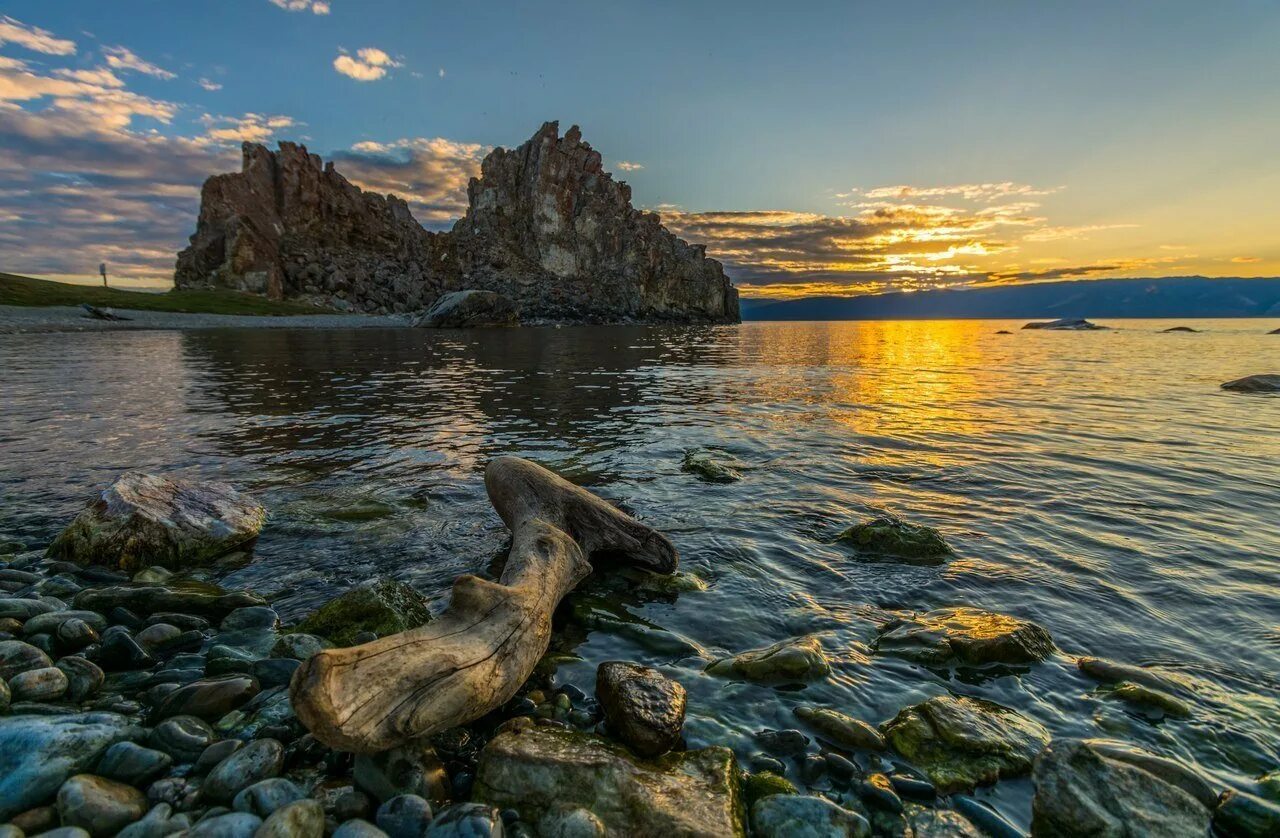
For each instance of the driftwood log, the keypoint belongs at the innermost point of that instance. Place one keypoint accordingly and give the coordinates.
(473, 658)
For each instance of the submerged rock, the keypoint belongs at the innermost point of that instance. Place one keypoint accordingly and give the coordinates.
(39, 753)
(839, 729)
(470, 309)
(960, 742)
(1146, 698)
(801, 816)
(966, 636)
(1254, 384)
(887, 536)
(145, 519)
(545, 768)
(790, 661)
(642, 706)
(1081, 792)
(1241, 815)
(1113, 672)
(1074, 324)
(1180, 329)
(383, 607)
(707, 468)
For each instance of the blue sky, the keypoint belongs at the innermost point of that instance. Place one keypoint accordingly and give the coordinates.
(852, 147)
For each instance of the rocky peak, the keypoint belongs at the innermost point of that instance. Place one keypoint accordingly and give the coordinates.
(545, 226)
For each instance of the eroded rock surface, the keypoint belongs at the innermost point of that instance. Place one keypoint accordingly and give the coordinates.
(965, 636)
(546, 226)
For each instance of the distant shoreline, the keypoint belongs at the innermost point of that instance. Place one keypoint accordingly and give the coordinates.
(30, 319)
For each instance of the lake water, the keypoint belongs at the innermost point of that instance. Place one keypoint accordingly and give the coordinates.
(1099, 483)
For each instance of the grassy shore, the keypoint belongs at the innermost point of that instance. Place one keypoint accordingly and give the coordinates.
(25, 291)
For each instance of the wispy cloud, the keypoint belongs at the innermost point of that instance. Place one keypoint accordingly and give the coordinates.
(33, 38)
(123, 58)
(209, 85)
(967, 191)
(368, 64)
(1048, 234)
(1246, 260)
(318, 7)
(252, 127)
(430, 173)
(628, 166)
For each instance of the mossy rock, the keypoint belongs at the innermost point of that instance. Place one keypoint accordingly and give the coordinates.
(887, 536)
(763, 784)
(961, 742)
(1146, 698)
(792, 661)
(965, 636)
(383, 607)
(710, 469)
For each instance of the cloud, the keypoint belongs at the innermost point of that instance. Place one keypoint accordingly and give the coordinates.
(318, 7)
(33, 38)
(209, 85)
(252, 127)
(1246, 260)
(123, 58)
(369, 64)
(430, 173)
(441, 73)
(1047, 234)
(628, 166)
(967, 191)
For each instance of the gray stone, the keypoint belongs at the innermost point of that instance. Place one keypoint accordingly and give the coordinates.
(208, 698)
(274, 672)
(1246, 816)
(157, 823)
(48, 684)
(215, 754)
(126, 762)
(466, 820)
(24, 609)
(253, 617)
(404, 816)
(17, 657)
(157, 635)
(546, 768)
(967, 636)
(182, 737)
(64, 832)
(146, 519)
(470, 309)
(300, 646)
(230, 825)
(263, 798)
(571, 822)
(150, 599)
(39, 753)
(254, 762)
(299, 819)
(1070, 324)
(960, 742)
(84, 677)
(98, 805)
(357, 828)
(48, 623)
(798, 816)
(1080, 792)
(1254, 384)
(413, 769)
(642, 706)
(796, 660)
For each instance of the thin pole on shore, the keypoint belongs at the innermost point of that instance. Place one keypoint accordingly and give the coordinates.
(102, 269)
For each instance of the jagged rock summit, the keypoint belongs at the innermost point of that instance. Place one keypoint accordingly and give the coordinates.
(546, 227)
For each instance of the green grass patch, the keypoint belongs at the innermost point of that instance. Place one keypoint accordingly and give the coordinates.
(25, 291)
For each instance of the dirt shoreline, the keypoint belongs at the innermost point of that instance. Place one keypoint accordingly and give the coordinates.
(23, 319)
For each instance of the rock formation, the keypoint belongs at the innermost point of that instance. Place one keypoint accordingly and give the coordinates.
(546, 227)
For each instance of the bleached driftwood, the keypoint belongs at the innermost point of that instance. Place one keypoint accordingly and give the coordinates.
(473, 658)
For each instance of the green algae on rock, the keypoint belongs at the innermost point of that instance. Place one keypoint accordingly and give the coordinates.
(960, 742)
(966, 636)
(145, 519)
(889, 537)
(693, 793)
(1145, 697)
(842, 730)
(384, 607)
(710, 469)
(790, 661)
(764, 783)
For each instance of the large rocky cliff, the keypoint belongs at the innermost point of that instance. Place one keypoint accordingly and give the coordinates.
(546, 226)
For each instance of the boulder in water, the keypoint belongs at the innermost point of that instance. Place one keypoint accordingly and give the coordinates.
(844, 731)
(790, 661)
(147, 519)
(965, 636)
(1079, 791)
(1264, 383)
(1070, 324)
(1173, 329)
(710, 469)
(960, 742)
(887, 537)
(643, 706)
(546, 768)
(384, 607)
(470, 309)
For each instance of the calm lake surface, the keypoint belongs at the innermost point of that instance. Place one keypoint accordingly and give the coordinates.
(1099, 483)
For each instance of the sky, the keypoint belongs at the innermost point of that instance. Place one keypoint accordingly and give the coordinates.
(814, 147)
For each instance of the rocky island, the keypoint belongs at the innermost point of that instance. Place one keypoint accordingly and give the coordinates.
(547, 228)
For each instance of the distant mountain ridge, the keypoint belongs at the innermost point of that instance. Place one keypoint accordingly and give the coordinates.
(1184, 296)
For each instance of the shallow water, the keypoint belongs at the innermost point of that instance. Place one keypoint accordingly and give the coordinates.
(1099, 483)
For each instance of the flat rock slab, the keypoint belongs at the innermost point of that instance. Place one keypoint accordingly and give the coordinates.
(146, 519)
(965, 636)
(691, 793)
(961, 742)
(1081, 792)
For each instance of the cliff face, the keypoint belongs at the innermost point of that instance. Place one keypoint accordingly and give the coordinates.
(546, 226)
